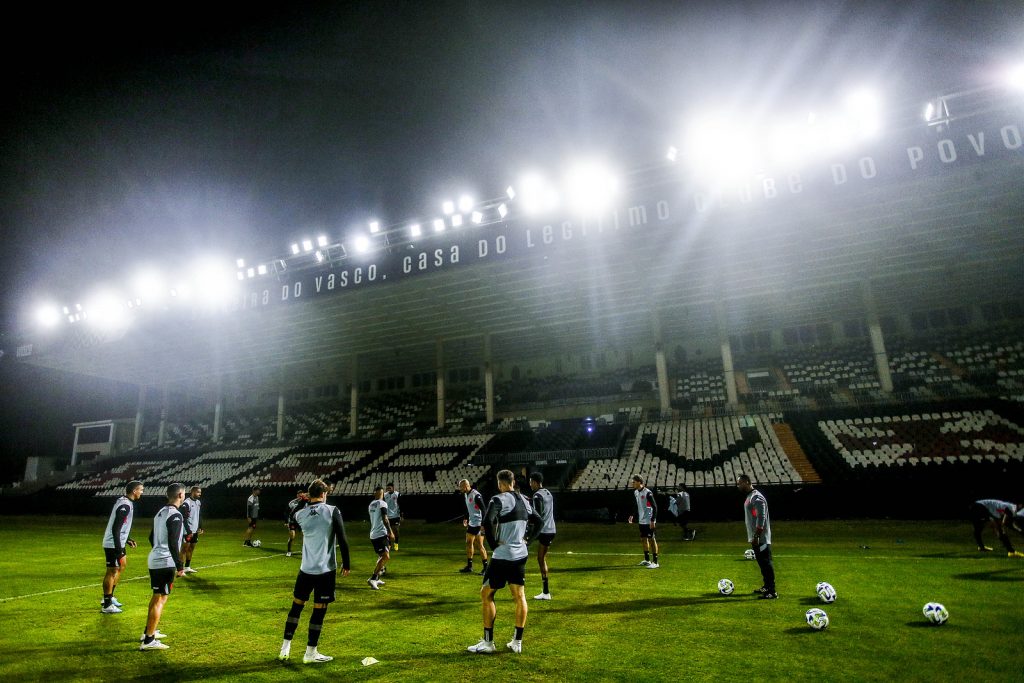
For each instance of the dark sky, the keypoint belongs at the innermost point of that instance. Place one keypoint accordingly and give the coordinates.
(129, 136)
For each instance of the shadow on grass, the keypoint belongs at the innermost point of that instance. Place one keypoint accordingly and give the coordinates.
(1010, 574)
(811, 601)
(802, 631)
(201, 585)
(637, 605)
(593, 568)
(926, 625)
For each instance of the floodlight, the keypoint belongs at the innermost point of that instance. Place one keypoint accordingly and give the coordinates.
(374, 227)
(721, 147)
(457, 220)
(66, 311)
(148, 285)
(319, 256)
(502, 210)
(262, 269)
(438, 225)
(251, 272)
(105, 311)
(864, 108)
(71, 318)
(295, 249)
(477, 217)
(241, 275)
(448, 206)
(362, 244)
(465, 203)
(307, 245)
(212, 279)
(1015, 77)
(78, 307)
(321, 241)
(510, 192)
(536, 195)
(591, 187)
(47, 315)
(671, 154)
(415, 230)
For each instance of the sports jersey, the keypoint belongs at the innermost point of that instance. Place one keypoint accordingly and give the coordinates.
(394, 512)
(683, 499)
(252, 507)
(322, 529)
(998, 508)
(505, 525)
(378, 511)
(544, 506)
(755, 509)
(119, 526)
(474, 507)
(168, 530)
(190, 512)
(646, 507)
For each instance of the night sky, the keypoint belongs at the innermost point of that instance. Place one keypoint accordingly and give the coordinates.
(130, 137)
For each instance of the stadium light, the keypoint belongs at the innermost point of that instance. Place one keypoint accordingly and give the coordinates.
(48, 315)
(457, 220)
(1015, 77)
(66, 310)
(465, 203)
(864, 108)
(321, 241)
(720, 147)
(510, 192)
(671, 154)
(307, 245)
(361, 243)
(211, 277)
(240, 263)
(105, 311)
(148, 285)
(477, 217)
(448, 207)
(374, 227)
(319, 256)
(251, 272)
(536, 195)
(502, 210)
(262, 269)
(241, 275)
(295, 249)
(415, 230)
(590, 187)
(438, 225)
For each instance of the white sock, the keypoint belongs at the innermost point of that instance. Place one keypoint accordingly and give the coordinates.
(286, 646)
(310, 651)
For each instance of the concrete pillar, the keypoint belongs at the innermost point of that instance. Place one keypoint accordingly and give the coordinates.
(488, 379)
(139, 411)
(353, 411)
(663, 386)
(877, 340)
(440, 382)
(218, 413)
(280, 414)
(728, 373)
(163, 419)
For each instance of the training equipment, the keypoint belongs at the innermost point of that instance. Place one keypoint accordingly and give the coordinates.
(257, 544)
(825, 591)
(936, 613)
(483, 647)
(748, 553)
(817, 619)
(725, 587)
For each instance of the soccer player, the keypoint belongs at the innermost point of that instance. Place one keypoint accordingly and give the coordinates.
(508, 515)
(647, 519)
(544, 506)
(759, 534)
(164, 563)
(472, 520)
(116, 539)
(190, 513)
(681, 502)
(998, 514)
(394, 511)
(380, 535)
(252, 514)
(294, 505)
(322, 529)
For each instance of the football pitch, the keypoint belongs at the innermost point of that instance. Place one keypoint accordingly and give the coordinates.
(609, 619)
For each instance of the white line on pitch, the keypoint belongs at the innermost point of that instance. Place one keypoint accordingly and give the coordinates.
(134, 578)
(774, 556)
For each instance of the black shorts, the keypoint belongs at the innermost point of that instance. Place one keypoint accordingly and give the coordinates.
(472, 531)
(192, 538)
(646, 531)
(113, 556)
(252, 524)
(502, 572)
(292, 526)
(162, 580)
(381, 544)
(545, 539)
(395, 522)
(320, 585)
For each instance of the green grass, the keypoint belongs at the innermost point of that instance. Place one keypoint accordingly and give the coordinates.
(609, 620)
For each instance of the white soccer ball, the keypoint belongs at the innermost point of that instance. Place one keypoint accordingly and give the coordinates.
(936, 613)
(825, 591)
(817, 619)
(257, 543)
(725, 587)
(748, 553)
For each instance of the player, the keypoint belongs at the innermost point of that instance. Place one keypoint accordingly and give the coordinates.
(472, 520)
(1000, 515)
(164, 563)
(294, 505)
(116, 539)
(679, 505)
(190, 513)
(508, 515)
(759, 534)
(322, 529)
(647, 519)
(380, 535)
(544, 506)
(394, 511)
(252, 513)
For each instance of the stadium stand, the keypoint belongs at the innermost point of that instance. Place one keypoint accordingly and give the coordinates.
(430, 465)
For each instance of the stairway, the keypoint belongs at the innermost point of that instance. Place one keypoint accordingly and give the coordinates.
(791, 447)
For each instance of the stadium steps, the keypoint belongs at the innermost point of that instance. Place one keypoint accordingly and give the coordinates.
(953, 368)
(791, 447)
(742, 385)
(781, 379)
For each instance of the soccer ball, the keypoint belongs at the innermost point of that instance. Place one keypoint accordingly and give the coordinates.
(748, 553)
(825, 591)
(936, 613)
(817, 619)
(725, 587)
(257, 543)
